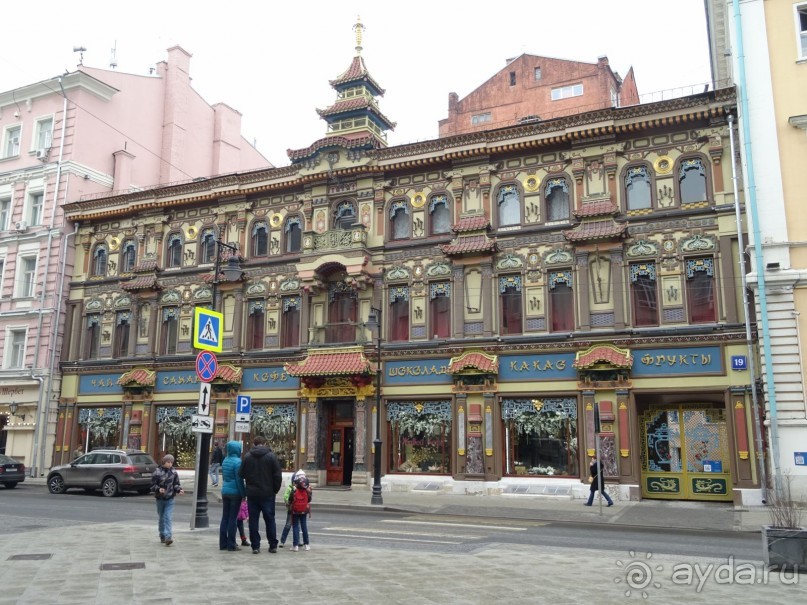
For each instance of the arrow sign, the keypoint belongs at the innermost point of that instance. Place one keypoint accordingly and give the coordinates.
(204, 398)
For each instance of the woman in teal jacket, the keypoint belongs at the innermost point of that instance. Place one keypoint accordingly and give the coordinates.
(233, 491)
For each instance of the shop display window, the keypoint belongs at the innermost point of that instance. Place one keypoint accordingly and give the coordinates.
(540, 436)
(278, 423)
(420, 436)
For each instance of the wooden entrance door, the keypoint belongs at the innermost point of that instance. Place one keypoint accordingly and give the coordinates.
(340, 453)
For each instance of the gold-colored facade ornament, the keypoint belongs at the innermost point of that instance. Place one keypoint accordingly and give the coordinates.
(114, 244)
(537, 404)
(418, 200)
(663, 164)
(190, 232)
(531, 184)
(275, 219)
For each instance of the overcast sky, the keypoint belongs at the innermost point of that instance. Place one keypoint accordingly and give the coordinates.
(272, 60)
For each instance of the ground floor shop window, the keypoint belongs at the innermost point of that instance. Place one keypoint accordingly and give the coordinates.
(99, 428)
(174, 435)
(278, 423)
(540, 436)
(420, 436)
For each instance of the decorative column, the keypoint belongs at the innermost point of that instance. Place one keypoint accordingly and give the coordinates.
(740, 410)
(238, 314)
(361, 434)
(624, 421)
(618, 287)
(311, 437)
(588, 406)
(461, 432)
(152, 345)
(487, 298)
(147, 436)
(458, 302)
(582, 289)
(134, 322)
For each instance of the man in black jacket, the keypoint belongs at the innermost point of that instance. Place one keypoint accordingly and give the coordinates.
(263, 476)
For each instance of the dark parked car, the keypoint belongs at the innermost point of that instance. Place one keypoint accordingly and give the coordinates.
(111, 471)
(11, 471)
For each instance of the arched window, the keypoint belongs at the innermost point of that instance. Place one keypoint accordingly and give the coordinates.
(255, 325)
(637, 188)
(344, 217)
(511, 304)
(509, 206)
(260, 239)
(561, 301)
(128, 256)
(294, 234)
(99, 261)
(439, 215)
(557, 200)
(700, 275)
(173, 258)
(399, 313)
(399, 220)
(692, 181)
(207, 247)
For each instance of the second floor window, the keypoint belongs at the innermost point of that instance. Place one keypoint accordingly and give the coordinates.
(692, 181)
(122, 327)
(260, 239)
(561, 302)
(557, 200)
(93, 336)
(344, 217)
(128, 256)
(174, 251)
(399, 220)
(342, 305)
(508, 203)
(290, 322)
(11, 144)
(255, 326)
(399, 313)
(99, 261)
(26, 277)
(644, 294)
(439, 215)
(294, 234)
(5, 212)
(207, 247)
(15, 349)
(35, 205)
(700, 276)
(169, 331)
(511, 304)
(44, 133)
(440, 309)
(637, 188)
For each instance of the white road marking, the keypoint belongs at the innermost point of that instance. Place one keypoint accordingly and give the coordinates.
(475, 526)
(392, 531)
(385, 538)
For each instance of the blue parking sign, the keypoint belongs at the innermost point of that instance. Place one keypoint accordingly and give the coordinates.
(243, 404)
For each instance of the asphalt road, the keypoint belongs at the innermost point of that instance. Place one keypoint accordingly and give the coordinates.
(31, 507)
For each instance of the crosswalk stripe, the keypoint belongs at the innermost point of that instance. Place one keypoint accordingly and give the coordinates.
(392, 531)
(491, 527)
(382, 537)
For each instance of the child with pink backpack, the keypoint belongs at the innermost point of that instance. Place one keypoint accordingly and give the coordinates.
(300, 510)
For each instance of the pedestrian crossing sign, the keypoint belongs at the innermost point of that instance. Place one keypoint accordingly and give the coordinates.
(207, 329)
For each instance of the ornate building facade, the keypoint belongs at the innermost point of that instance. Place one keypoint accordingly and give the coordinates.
(543, 288)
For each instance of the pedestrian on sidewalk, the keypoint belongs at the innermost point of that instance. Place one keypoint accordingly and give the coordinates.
(301, 510)
(594, 479)
(243, 513)
(263, 476)
(78, 452)
(233, 493)
(287, 501)
(165, 486)
(216, 458)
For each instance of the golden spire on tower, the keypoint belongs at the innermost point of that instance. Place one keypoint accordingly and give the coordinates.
(358, 28)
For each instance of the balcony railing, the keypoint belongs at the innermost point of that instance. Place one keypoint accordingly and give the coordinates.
(336, 239)
(339, 333)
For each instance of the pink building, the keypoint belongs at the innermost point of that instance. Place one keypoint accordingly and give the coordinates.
(91, 131)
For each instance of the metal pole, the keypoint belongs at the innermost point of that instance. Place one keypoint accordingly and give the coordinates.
(599, 468)
(203, 450)
(376, 498)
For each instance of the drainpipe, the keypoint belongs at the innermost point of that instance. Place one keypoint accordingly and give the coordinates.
(752, 364)
(43, 405)
(752, 207)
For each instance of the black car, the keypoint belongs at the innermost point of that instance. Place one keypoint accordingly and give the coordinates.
(111, 471)
(11, 472)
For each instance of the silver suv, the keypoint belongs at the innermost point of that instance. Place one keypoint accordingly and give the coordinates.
(111, 471)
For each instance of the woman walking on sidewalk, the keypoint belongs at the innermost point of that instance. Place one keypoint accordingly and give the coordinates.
(233, 491)
(594, 479)
(165, 486)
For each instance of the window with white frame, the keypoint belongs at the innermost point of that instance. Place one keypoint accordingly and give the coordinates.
(11, 141)
(36, 201)
(566, 92)
(15, 348)
(2, 274)
(26, 277)
(480, 118)
(43, 136)
(5, 211)
(801, 28)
